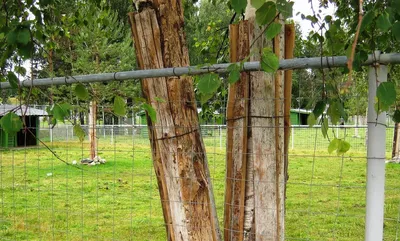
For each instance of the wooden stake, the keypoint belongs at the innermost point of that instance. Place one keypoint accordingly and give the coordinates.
(233, 39)
(278, 151)
(237, 121)
(289, 52)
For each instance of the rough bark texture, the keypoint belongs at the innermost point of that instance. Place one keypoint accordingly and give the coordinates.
(264, 201)
(237, 122)
(178, 152)
(255, 160)
(92, 129)
(289, 52)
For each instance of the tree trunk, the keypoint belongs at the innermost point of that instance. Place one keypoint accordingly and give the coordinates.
(82, 118)
(259, 150)
(177, 148)
(92, 129)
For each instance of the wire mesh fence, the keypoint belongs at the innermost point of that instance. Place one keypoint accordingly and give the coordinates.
(42, 198)
(302, 136)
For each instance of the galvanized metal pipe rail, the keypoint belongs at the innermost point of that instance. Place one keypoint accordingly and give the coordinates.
(299, 63)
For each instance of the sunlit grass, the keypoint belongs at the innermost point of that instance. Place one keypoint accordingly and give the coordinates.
(41, 198)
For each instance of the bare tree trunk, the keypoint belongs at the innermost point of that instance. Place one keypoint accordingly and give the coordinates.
(92, 129)
(177, 148)
(266, 145)
(93, 119)
(259, 150)
(263, 199)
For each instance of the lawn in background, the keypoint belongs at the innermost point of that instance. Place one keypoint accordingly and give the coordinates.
(41, 198)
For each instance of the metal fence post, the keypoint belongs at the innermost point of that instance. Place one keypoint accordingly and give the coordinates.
(112, 134)
(375, 197)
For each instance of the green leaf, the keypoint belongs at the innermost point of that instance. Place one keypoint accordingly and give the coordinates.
(12, 37)
(151, 112)
(386, 94)
(20, 70)
(12, 79)
(11, 123)
(367, 19)
(238, 5)
(79, 132)
(359, 59)
(25, 51)
(205, 97)
(257, 3)
(285, 8)
(273, 30)
(396, 116)
(24, 36)
(61, 111)
(208, 83)
(383, 22)
(334, 112)
(266, 13)
(396, 30)
(81, 92)
(325, 127)
(333, 145)
(66, 107)
(311, 120)
(319, 108)
(119, 106)
(269, 61)
(396, 5)
(234, 73)
(343, 147)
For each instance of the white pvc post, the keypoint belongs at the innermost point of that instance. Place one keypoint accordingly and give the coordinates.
(375, 198)
(51, 131)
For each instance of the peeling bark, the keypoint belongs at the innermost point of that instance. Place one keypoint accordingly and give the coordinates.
(92, 129)
(237, 122)
(259, 98)
(177, 148)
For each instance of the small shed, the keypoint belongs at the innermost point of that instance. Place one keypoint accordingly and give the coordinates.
(22, 138)
(299, 116)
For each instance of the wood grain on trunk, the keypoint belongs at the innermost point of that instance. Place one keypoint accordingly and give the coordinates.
(289, 53)
(265, 150)
(264, 185)
(255, 160)
(92, 129)
(177, 148)
(237, 122)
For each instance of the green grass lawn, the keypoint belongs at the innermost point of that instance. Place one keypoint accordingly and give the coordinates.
(41, 198)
